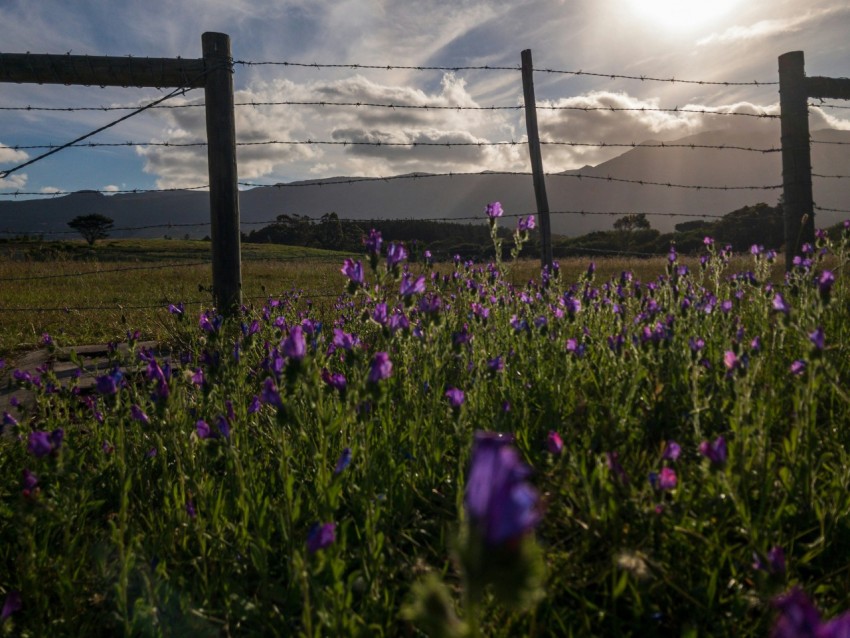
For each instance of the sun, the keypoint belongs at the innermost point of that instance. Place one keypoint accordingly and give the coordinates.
(682, 15)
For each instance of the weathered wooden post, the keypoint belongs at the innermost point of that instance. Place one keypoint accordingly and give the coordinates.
(224, 190)
(536, 159)
(798, 206)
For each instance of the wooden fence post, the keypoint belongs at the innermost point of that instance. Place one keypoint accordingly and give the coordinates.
(798, 206)
(536, 159)
(224, 190)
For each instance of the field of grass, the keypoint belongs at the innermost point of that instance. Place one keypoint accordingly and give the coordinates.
(651, 448)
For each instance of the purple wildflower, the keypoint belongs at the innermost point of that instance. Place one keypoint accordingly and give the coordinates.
(493, 210)
(354, 271)
(9, 420)
(780, 305)
(501, 504)
(39, 445)
(612, 461)
(798, 367)
(396, 253)
(137, 414)
(380, 368)
(409, 288)
(190, 508)
(373, 242)
(775, 563)
(672, 451)
(730, 360)
(525, 224)
(554, 443)
(664, 480)
(344, 340)
(320, 536)
(198, 377)
(203, 429)
(343, 461)
(335, 380)
(255, 405)
(270, 393)
(455, 396)
(715, 451)
(496, 364)
(109, 383)
(11, 604)
(817, 337)
(294, 345)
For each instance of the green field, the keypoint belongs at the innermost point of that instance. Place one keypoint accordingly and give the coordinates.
(656, 448)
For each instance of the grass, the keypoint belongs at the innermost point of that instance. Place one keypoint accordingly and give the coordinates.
(183, 496)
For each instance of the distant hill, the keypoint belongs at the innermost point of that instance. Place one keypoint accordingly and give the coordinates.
(465, 195)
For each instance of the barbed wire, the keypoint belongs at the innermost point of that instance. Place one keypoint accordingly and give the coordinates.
(455, 69)
(416, 144)
(831, 210)
(355, 180)
(437, 107)
(831, 176)
(178, 91)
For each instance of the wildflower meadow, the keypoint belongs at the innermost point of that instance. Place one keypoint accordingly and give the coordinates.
(442, 452)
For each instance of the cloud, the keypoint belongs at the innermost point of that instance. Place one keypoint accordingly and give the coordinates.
(15, 181)
(768, 28)
(8, 155)
(49, 190)
(111, 188)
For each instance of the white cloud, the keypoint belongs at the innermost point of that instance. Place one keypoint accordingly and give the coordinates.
(111, 188)
(49, 190)
(767, 28)
(8, 155)
(15, 181)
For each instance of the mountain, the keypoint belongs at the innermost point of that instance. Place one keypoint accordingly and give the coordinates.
(462, 196)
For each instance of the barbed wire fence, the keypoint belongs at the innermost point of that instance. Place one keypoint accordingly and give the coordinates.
(80, 143)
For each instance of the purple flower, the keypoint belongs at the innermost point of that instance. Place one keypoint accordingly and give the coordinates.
(396, 253)
(29, 482)
(780, 305)
(672, 451)
(138, 415)
(342, 339)
(825, 281)
(554, 443)
(270, 393)
(775, 561)
(455, 396)
(501, 504)
(373, 242)
(109, 383)
(9, 420)
(730, 360)
(294, 345)
(714, 451)
(496, 364)
(11, 605)
(354, 271)
(493, 210)
(255, 405)
(176, 310)
(198, 377)
(664, 480)
(409, 287)
(798, 367)
(46, 339)
(223, 426)
(335, 380)
(817, 338)
(203, 429)
(39, 445)
(524, 224)
(190, 508)
(343, 461)
(320, 536)
(380, 368)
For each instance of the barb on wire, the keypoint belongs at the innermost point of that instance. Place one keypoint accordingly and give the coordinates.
(395, 67)
(831, 176)
(831, 210)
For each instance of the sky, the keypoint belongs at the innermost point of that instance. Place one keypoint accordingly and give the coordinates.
(711, 41)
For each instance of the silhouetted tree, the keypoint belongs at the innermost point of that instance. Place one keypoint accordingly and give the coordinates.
(92, 227)
(635, 221)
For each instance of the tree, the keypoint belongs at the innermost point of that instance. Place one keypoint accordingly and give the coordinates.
(92, 227)
(634, 221)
